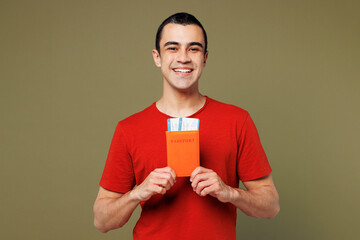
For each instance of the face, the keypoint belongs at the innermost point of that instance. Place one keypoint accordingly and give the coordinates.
(181, 56)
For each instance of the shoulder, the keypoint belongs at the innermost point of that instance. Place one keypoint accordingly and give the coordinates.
(226, 109)
(138, 119)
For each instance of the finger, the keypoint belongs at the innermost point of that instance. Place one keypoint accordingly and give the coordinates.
(162, 183)
(197, 171)
(149, 188)
(163, 191)
(167, 170)
(201, 177)
(204, 184)
(152, 190)
(172, 173)
(163, 175)
(159, 189)
(210, 190)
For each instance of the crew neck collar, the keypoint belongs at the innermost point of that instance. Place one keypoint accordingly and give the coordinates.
(207, 100)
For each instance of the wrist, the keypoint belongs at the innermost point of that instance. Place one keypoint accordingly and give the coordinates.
(233, 195)
(134, 196)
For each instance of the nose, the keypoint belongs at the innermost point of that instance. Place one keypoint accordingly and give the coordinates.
(183, 56)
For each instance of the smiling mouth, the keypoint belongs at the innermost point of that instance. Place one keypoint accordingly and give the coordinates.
(182, 70)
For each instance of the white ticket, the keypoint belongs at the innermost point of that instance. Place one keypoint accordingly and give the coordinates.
(183, 124)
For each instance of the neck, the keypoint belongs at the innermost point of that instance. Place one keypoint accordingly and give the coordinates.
(180, 104)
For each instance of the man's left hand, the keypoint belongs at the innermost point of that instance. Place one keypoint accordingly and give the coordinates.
(206, 182)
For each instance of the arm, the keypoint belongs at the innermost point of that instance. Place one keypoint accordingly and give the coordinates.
(260, 199)
(112, 210)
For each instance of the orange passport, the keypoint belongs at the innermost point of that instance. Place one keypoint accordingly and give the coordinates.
(183, 154)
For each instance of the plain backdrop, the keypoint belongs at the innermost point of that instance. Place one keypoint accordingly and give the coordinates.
(70, 70)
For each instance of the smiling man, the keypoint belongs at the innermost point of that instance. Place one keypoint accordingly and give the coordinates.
(202, 206)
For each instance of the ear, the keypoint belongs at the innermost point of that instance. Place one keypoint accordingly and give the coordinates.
(205, 57)
(157, 58)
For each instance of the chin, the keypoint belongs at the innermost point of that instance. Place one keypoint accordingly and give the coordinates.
(182, 85)
(186, 89)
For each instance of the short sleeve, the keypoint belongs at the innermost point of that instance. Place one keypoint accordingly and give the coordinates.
(252, 160)
(118, 174)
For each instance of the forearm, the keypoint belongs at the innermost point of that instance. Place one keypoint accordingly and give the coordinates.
(112, 210)
(112, 213)
(261, 202)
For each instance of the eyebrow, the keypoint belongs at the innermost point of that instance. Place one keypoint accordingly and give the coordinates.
(171, 43)
(189, 44)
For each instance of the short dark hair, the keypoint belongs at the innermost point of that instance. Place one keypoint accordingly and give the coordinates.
(182, 18)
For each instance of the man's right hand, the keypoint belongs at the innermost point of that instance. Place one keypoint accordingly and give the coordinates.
(157, 182)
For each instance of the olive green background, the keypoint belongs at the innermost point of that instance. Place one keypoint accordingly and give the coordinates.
(70, 70)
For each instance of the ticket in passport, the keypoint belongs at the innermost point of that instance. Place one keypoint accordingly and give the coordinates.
(183, 124)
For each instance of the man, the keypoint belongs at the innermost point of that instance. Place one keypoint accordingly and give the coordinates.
(204, 205)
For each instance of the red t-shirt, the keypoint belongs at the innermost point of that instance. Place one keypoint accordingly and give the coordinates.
(229, 145)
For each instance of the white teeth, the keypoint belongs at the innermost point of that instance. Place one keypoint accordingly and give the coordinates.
(183, 70)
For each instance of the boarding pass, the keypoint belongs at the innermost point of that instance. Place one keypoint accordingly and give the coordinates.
(183, 124)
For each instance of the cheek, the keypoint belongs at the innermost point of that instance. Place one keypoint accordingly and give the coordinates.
(200, 61)
(166, 62)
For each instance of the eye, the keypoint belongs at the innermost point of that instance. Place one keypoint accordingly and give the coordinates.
(194, 49)
(171, 48)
